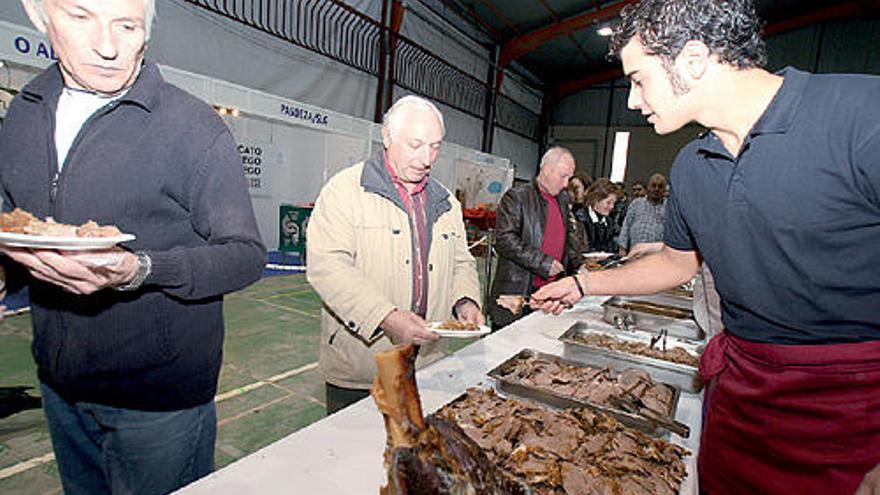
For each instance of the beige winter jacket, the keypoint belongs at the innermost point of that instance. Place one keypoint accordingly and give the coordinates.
(359, 262)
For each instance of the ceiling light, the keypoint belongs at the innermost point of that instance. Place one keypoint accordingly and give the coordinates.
(605, 31)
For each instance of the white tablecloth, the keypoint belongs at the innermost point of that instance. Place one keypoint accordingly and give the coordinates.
(342, 454)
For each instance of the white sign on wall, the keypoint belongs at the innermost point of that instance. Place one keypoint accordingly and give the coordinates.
(258, 159)
(25, 46)
(480, 183)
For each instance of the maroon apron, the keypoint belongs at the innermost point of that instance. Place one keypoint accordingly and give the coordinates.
(799, 419)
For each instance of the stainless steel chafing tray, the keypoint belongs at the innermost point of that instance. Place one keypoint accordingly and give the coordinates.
(627, 313)
(690, 467)
(668, 300)
(680, 375)
(680, 293)
(560, 401)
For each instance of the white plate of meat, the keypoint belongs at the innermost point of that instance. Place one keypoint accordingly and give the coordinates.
(597, 255)
(62, 242)
(19, 228)
(458, 329)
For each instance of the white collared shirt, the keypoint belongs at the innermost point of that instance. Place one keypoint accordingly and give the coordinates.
(594, 217)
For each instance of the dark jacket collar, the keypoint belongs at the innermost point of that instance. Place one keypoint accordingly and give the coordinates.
(47, 86)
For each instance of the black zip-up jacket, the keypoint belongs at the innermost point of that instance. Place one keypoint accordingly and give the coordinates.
(159, 164)
(519, 231)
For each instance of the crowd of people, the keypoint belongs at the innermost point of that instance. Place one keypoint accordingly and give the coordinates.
(615, 221)
(547, 227)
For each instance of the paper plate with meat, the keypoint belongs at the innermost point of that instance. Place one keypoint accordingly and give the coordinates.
(458, 329)
(19, 228)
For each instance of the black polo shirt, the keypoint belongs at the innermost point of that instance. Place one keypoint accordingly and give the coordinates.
(791, 227)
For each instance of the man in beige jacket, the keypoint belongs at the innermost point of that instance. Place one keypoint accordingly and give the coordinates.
(387, 253)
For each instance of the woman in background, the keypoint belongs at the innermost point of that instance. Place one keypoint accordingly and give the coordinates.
(577, 189)
(599, 201)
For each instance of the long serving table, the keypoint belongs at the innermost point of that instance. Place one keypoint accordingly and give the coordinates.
(342, 454)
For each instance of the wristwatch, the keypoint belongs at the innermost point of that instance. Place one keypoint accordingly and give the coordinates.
(144, 267)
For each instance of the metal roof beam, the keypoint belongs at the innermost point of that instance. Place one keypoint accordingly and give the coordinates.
(521, 45)
(854, 9)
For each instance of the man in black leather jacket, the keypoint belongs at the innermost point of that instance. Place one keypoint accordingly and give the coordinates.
(531, 249)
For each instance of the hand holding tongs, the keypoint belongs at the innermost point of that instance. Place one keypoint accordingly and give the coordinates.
(515, 303)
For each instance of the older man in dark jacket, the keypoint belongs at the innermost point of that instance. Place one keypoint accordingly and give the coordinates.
(535, 242)
(128, 343)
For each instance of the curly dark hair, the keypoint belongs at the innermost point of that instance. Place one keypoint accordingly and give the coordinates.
(730, 28)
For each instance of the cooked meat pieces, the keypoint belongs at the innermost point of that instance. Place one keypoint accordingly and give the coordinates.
(577, 481)
(512, 303)
(21, 222)
(16, 221)
(633, 377)
(674, 354)
(458, 325)
(567, 452)
(92, 229)
(50, 228)
(599, 392)
(598, 386)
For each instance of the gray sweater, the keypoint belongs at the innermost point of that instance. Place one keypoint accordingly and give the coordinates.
(160, 164)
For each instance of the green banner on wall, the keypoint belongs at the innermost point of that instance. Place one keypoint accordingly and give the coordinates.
(292, 224)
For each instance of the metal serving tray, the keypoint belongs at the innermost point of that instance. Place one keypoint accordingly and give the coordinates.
(689, 466)
(685, 377)
(671, 300)
(628, 313)
(560, 401)
(680, 292)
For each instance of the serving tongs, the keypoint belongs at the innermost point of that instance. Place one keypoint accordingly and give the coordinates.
(613, 261)
(633, 404)
(660, 337)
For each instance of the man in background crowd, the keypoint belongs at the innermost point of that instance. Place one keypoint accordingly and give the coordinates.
(795, 377)
(534, 234)
(128, 344)
(642, 230)
(387, 254)
(638, 190)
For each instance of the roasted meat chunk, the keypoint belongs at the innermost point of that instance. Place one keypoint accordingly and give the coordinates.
(428, 457)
